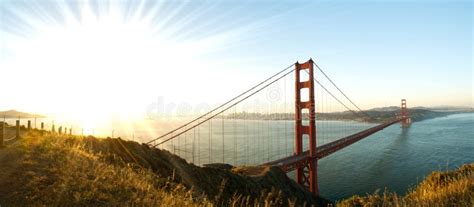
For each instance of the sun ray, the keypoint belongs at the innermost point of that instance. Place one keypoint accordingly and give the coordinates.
(91, 60)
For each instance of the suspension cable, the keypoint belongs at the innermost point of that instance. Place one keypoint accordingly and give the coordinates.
(332, 82)
(220, 106)
(322, 86)
(225, 109)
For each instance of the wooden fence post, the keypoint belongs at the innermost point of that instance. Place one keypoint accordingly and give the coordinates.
(2, 127)
(17, 129)
(60, 129)
(29, 124)
(70, 131)
(42, 128)
(53, 129)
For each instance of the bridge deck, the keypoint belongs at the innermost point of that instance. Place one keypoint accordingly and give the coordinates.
(295, 161)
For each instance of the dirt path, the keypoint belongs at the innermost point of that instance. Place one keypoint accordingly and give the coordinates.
(11, 160)
(10, 135)
(9, 141)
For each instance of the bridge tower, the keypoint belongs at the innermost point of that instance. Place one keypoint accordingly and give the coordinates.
(404, 114)
(306, 174)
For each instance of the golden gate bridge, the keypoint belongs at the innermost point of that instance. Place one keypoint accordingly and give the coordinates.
(297, 128)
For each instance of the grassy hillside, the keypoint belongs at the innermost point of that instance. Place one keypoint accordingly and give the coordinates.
(61, 170)
(65, 170)
(455, 188)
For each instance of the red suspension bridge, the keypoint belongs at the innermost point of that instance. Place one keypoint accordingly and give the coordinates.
(262, 126)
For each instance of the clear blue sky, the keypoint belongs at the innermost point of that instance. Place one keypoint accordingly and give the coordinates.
(377, 51)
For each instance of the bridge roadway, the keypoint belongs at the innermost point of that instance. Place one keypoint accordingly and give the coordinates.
(295, 161)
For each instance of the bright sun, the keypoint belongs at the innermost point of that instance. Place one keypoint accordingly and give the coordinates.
(93, 65)
(98, 66)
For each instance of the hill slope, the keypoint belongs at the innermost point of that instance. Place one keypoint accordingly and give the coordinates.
(16, 114)
(455, 188)
(64, 170)
(56, 170)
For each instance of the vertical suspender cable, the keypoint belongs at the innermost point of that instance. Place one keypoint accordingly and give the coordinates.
(199, 145)
(210, 140)
(234, 137)
(185, 150)
(284, 119)
(194, 144)
(223, 146)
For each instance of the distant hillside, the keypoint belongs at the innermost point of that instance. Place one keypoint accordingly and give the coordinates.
(435, 108)
(449, 108)
(415, 114)
(378, 114)
(16, 114)
(388, 108)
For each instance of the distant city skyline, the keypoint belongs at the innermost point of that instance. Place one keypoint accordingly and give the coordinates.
(81, 58)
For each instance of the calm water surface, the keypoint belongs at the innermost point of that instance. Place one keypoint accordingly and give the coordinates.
(398, 158)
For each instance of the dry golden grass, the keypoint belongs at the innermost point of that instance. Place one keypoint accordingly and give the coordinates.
(49, 171)
(54, 170)
(455, 188)
(61, 170)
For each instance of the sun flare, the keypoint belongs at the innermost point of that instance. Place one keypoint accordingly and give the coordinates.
(99, 65)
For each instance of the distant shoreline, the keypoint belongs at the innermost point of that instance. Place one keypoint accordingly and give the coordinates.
(15, 114)
(382, 116)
